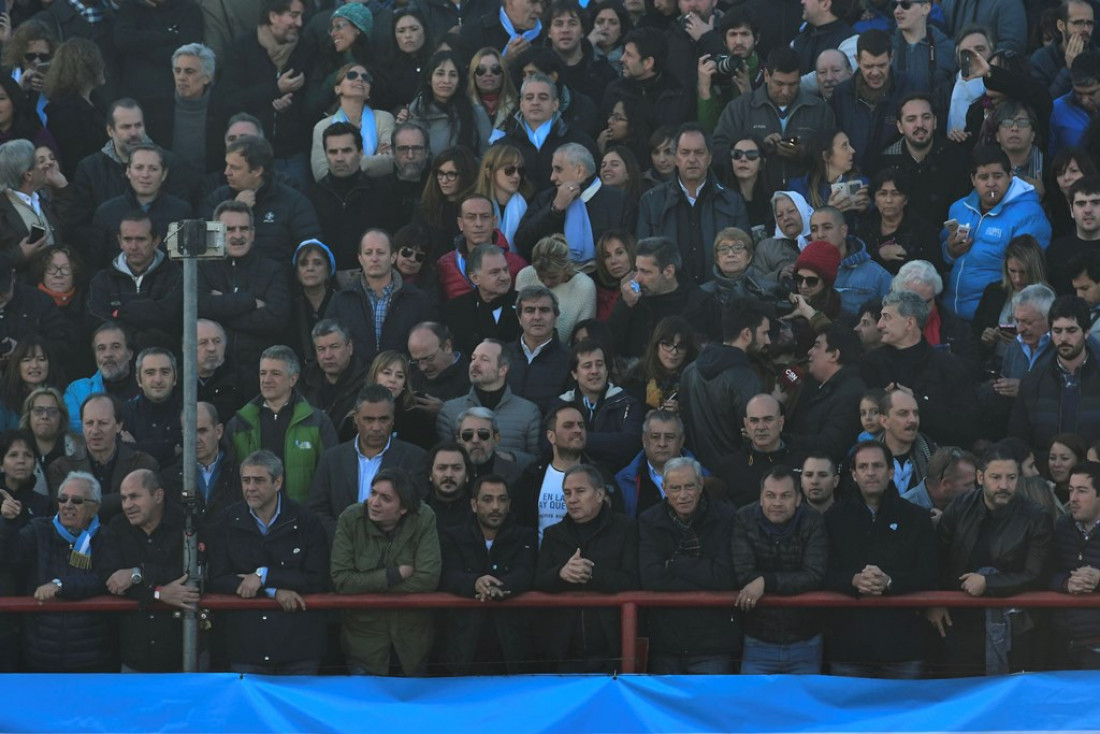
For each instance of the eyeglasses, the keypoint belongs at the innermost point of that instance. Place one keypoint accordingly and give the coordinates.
(673, 346)
(811, 281)
(353, 75)
(495, 70)
(410, 149)
(64, 499)
(731, 249)
(44, 411)
(447, 175)
(513, 170)
(905, 4)
(751, 155)
(37, 57)
(482, 433)
(1023, 123)
(416, 362)
(410, 254)
(59, 270)
(616, 117)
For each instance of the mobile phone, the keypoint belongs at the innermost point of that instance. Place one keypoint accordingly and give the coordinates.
(37, 233)
(839, 188)
(793, 140)
(1008, 329)
(964, 64)
(42, 67)
(854, 187)
(951, 224)
(964, 229)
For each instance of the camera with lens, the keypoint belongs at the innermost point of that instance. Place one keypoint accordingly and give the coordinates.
(728, 64)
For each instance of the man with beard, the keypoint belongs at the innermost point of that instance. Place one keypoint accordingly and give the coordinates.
(449, 475)
(1077, 565)
(401, 189)
(1073, 111)
(936, 168)
(1063, 394)
(717, 386)
(111, 347)
(1063, 257)
(479, 434)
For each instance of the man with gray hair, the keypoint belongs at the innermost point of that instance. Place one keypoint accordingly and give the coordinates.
(21, 207)
(479, 433)
(684, 545)
(189, 127)
(488, 311)
(942, 384)
(338, 373)
(578, 205)
(692, 208)
(279, 420)
(540, 364)
(943, 329)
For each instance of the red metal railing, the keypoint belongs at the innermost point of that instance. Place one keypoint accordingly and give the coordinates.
(628, 601)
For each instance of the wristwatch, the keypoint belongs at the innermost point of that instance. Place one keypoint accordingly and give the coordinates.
(57, 583)
(135, 575)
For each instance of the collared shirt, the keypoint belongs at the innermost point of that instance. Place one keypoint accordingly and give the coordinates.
(368, 467)
(30, 200)
(1086, 532)
(380, 304)
(657, 478)
(207, 475)
(1033, 354)
(698, 191)
(532, 353)
(265, 528)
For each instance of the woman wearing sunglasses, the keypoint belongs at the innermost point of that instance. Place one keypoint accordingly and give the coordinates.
(490, 86)
(353, 92)
(747, 164)
(503, 178)
(411, 243)
(816, 302)
(349, 32)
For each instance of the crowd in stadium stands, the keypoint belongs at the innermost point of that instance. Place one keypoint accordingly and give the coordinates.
(759, 295)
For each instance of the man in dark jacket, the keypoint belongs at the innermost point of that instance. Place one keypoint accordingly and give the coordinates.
(556, 210)
(441, 16)
(866, 105)
(826, 414)
(1077, 566)
(218, 483)
(346, 200)
(282, 216)
(151, 418)
(879, 544)
(580, 69)
(825, 27)
(479, 434)
(991, 543)
(269, 544)
(540, 364)
(744, 469)
(146, 34)
(661, 292)
(380, 290)
(488, 557)
(141, 289)
(273, 91)
(332, 381)
(222, 383)
(716, 387)
(1051, 63)
(779, 547)
(439, 372)
(692, 208)
(645, 75)
(1061, 395)
(450, 475)
(510, 28)
(141, 559)
(246, 293)
(488, 311)
(684, 545)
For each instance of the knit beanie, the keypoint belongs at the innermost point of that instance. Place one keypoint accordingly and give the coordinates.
(359, 14)
(822, 258)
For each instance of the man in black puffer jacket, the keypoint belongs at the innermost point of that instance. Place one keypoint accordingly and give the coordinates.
(1077, 558)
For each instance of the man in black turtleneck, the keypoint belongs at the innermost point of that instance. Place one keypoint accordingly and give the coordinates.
(518, 419)
(488, 311)
(450, 474)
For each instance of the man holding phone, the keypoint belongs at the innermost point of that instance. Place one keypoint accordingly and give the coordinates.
(27, 221)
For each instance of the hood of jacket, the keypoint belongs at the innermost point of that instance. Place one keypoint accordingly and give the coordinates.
(119, 264)
(612, 390)
(717, 358)
(855, 257)
(1018, 191)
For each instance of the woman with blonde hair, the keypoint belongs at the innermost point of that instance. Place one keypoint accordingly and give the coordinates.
(390, 369)
(502, 178)
(490, 85)
(552, 267)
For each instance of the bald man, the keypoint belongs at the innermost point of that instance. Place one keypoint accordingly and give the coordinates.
(766, 448)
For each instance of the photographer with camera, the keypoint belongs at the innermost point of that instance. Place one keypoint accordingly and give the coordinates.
(728, 75)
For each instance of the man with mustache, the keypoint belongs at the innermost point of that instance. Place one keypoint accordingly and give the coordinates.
(112, 351)
(900, 418)
(1063, 394)
(449, 473)
(488, 557)
(992, 543)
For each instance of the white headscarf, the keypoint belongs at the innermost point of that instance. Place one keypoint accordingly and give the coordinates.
(804, 209)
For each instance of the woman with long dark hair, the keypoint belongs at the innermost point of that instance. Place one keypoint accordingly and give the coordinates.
(17, 117)
(747, 159)
(443, 109)
(314, 275)
(30, 366)
(619, 168)
(453, 174)
(615, 252)
(405, 65)
(655, 380)
(832, 169)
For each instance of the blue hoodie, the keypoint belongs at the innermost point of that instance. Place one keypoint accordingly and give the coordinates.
(859, 278)
(1019, 212)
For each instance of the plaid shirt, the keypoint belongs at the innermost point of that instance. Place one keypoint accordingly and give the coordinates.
(380, 304)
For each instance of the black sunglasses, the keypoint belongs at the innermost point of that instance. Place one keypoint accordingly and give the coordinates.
(410, 254)
(353, 75)
(752, 155)
(811, 281)
(495, 70)
(905, 4)
(512, 170)
(483, 433)
(66, 499)
(36, 57)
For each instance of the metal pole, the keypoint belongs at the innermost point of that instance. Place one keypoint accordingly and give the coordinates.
(190, 457)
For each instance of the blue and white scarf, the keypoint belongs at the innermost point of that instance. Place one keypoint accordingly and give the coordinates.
(528, 35)
(368, 129)
(513, 213)
(578, 226)
(81, 557)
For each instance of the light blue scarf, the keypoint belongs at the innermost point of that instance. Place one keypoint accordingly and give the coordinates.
(368, 129)
(578, 227)
(538, 137)
(529, 35)
(513, 212)
(81, 557)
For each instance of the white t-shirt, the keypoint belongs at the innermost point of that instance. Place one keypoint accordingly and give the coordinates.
(551, 500)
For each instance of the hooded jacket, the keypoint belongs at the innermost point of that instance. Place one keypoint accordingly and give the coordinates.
(859, 278)
(614, 427)
(1019, 212)
(929, 62)
(150, 303)
(714, 390)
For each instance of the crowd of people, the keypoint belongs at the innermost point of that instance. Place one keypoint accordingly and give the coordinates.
(768, 295)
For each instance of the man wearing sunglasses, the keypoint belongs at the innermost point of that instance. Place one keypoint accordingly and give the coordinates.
(1052, 63)
(921, 51)
(479, 434)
